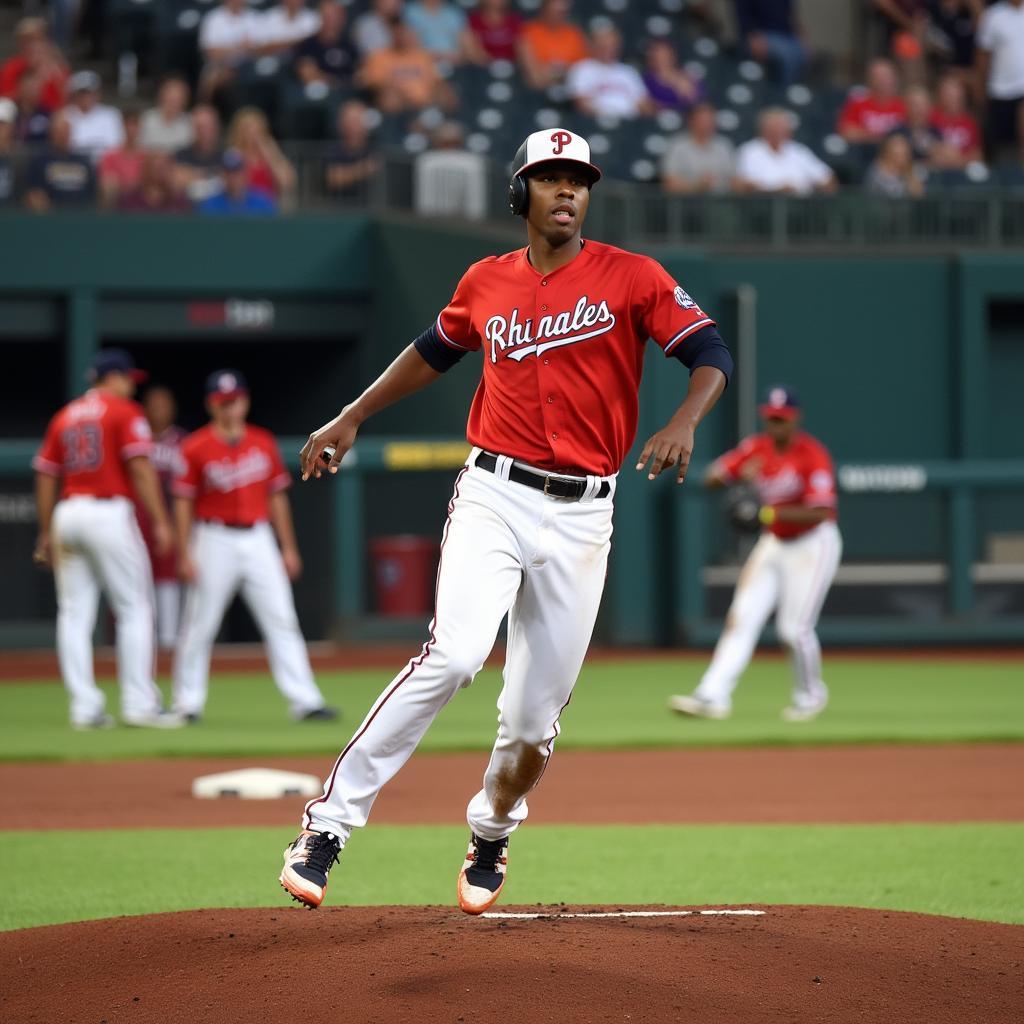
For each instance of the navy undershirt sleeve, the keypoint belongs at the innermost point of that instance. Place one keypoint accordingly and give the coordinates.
(436, 354)
(705, 348)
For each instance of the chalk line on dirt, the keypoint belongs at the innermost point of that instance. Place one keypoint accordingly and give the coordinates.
(502, 916)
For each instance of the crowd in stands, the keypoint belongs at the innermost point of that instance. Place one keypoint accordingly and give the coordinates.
(944, 94)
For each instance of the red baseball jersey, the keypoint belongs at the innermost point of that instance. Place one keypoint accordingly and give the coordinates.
(802, 474)
(230, 483)
(88, 442)
(876, 117)
(164, 457)
(960, 131)
(563, 352)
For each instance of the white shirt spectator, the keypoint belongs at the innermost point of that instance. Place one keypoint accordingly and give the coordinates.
(370, 32)
(223, 30)
(277, 28)
(613, 90)
(792, 166)
(1001, 33)
(95, 131)
(167, 136)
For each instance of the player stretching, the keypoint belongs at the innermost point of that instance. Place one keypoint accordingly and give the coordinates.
(98, 445)
(790, 568)
(561, 326)
(232, 481)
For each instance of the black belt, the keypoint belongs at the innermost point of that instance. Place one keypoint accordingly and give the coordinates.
(553, 486)
(229, 526)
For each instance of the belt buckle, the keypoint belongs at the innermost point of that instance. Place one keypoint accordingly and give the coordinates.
(547, 481)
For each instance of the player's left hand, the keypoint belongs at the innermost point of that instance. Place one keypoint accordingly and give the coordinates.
(42, 554)
(671, 446)
(292, 563)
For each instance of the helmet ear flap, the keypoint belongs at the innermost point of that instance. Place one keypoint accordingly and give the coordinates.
(518, 195)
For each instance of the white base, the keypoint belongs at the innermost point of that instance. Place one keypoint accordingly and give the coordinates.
(256, 784)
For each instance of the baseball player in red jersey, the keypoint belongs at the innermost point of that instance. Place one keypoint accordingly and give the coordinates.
(229, 503)
(790, 568)
(561, 327)
(95, 453)
(160, 408)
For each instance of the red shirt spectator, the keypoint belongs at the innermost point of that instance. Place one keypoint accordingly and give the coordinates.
(497, 28)
(88, 443)
(231, 483)
(870, 116)
(39, 57)
(951, 119)
(800, 474)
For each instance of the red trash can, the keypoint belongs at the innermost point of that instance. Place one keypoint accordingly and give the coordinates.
(404, 567)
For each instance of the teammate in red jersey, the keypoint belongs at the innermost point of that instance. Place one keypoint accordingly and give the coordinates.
(229, 504)
(561, 328)
(789, 570)
(160, 408)
(95, 453)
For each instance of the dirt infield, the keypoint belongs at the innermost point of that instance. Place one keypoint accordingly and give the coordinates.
(428, 964)
(830, 784)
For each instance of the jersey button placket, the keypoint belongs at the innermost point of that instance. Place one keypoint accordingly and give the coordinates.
(544, 384)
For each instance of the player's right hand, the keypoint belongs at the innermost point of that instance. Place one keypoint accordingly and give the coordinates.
(42, 554)
(163, 538)
(186, 568)
(339, 435)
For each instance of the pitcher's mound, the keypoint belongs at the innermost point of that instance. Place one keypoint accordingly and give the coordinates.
(426, 964)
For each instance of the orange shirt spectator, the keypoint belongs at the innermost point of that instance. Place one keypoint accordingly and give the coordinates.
(402, 76)
(39, 57)
(550, 45)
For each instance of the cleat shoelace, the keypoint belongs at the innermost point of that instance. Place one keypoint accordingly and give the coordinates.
(322, 852)
(488, 853)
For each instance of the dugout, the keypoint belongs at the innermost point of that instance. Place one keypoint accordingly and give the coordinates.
(910, 366)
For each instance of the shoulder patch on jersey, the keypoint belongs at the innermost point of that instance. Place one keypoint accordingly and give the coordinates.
(683, 299)
(140, 428)
(821, 480)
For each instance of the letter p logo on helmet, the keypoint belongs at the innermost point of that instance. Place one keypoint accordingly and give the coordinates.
(560, 140)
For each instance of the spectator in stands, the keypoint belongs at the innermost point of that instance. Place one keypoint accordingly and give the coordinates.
(328, 57)
(443, 30)
(893, 173)
(95, 127)
(197, 169)
(549, 45)
(39, 58)
(33, 124)
(155, 192)
(497, 28)
(285, 26)
(403, 76)
(771, 35)
(372, 29)
(267, 168)
(167, 126)
(669, 86)
(59, 178)
(120, 170)
(1000, 57)
(955, 124)
(448, 180)
(602, 85)
(773, 162)
(236, 196)
(8, 115)
(953, 27)
(352, 160)
(906, 25)
(918, 129)
(700, 160)
(868, 116)
(228, 37)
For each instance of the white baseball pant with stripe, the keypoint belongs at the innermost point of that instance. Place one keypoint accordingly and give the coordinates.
(97, 545)
(792, 578)
(506, 548)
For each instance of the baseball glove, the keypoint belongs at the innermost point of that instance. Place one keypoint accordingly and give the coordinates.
(743, 507)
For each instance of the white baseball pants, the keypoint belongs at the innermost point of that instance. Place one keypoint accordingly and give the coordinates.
(168, 613)
(97, 545)
(792, 576)
(506, 549)
(228, 561)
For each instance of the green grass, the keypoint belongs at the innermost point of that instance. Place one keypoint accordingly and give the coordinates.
(616, 704)
(956, 870)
